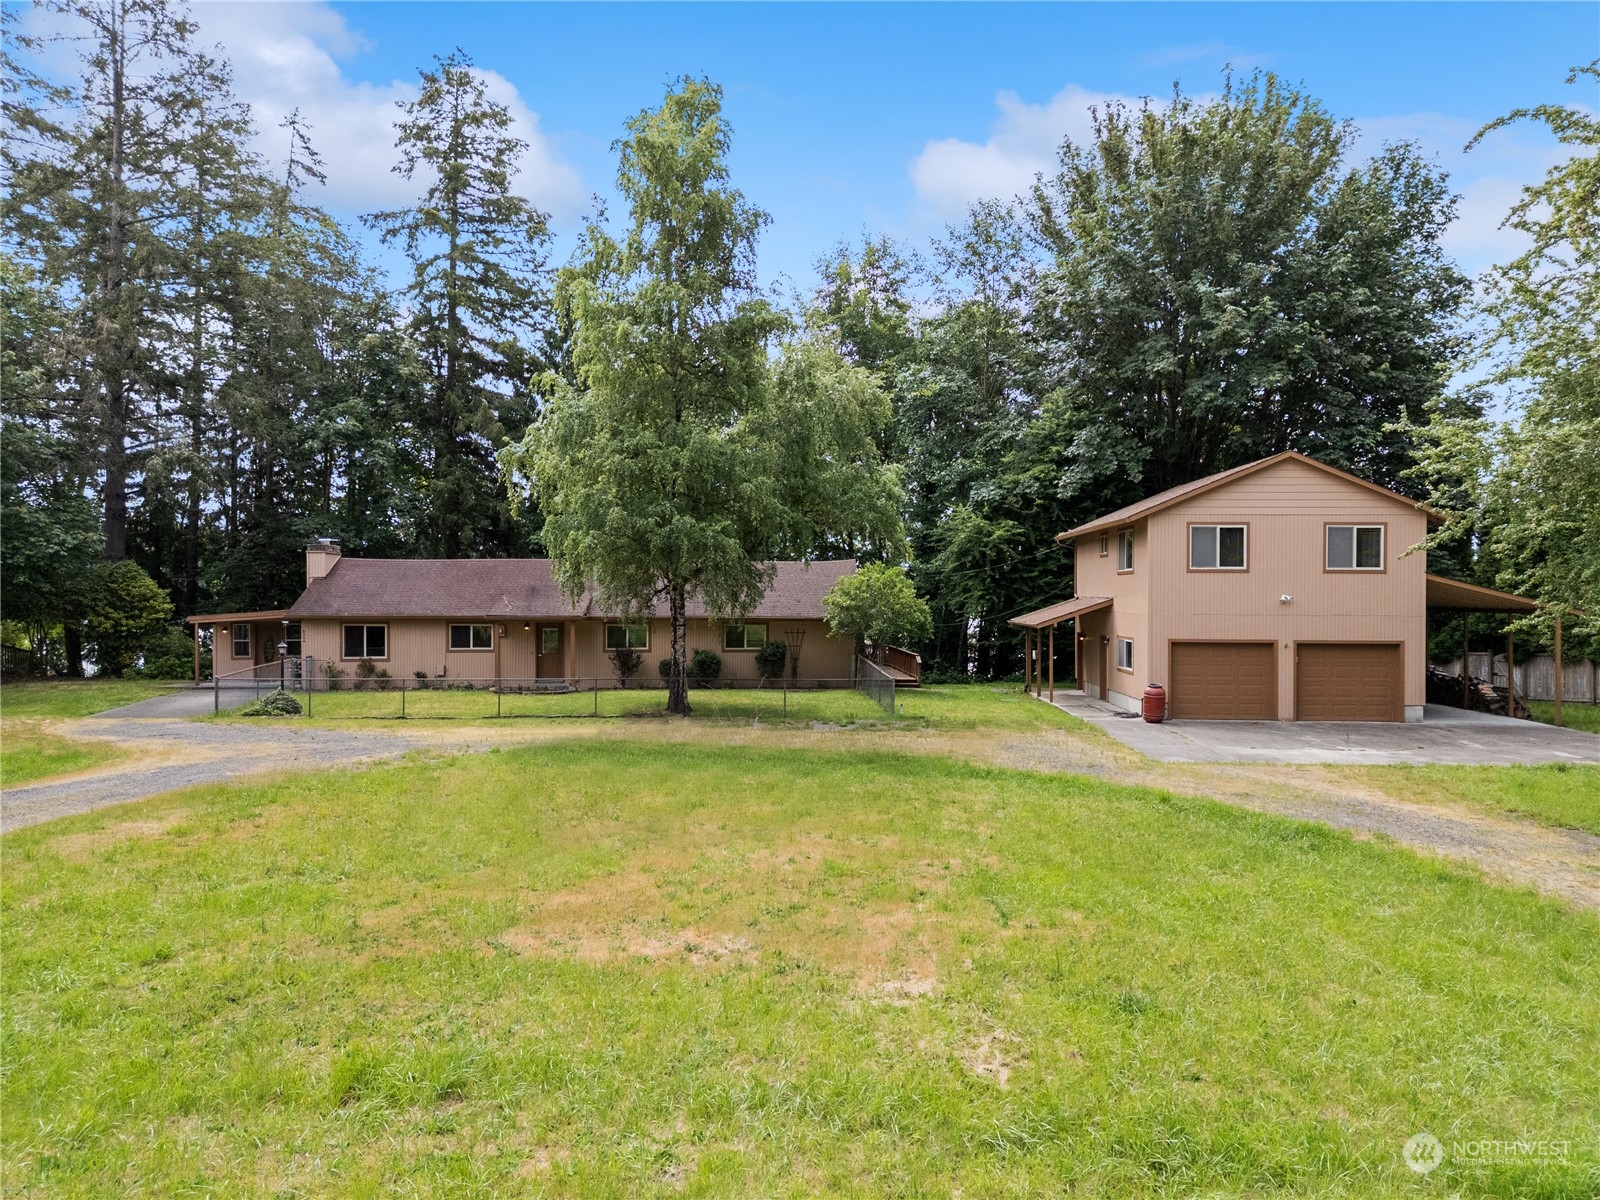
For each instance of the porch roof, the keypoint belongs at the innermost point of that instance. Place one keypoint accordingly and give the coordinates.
(266, 614)
(1470, 597)
(1043, 618)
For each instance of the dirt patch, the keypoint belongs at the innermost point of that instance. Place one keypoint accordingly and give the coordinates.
(994, 1057)
(78, 847)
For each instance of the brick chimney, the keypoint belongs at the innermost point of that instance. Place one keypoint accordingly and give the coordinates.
(320, 557)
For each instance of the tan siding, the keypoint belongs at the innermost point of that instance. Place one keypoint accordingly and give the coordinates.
(1286, 507)
(422, 645)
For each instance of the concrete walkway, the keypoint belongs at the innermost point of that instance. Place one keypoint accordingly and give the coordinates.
(1445, 735)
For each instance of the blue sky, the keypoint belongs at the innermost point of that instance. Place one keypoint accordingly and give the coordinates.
(892, 117)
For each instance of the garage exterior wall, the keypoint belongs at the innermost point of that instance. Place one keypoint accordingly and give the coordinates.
(423, 645)
(1286, 507)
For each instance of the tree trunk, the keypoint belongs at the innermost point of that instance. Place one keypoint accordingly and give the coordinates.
(678, 676)
(74, 647)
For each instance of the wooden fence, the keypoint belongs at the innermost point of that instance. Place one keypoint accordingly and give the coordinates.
(1536, 677)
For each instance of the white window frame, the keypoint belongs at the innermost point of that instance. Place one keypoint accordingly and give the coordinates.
(1127, 643)
(1216, 546)
(366, 642)
(744, 640)
(294, 638)
(244, 628)
(472, 628)
(1355, 548)
(628, 630)
(1124, 551)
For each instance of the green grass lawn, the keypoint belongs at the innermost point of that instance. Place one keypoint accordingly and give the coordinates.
(65, 698)
(955, 706)
(1556, 794)
(29, 753)
(626, 969)
(1573, 716)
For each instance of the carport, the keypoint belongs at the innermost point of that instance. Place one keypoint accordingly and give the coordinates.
(1452, 595)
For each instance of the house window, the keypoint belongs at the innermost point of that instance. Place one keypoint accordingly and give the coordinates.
(472, 637)
(1216, 547)
(549, 639)
(291, 638)
(627, 637)
(1105, 544)
(1125, 550)
(744, 637)
(366, 641)
(1355, 548)
(241, 641)
(1125, 654)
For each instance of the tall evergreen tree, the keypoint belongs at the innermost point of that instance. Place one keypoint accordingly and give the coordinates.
(477, 297)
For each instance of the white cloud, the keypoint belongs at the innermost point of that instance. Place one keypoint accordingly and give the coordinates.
(288, 56)
(950, 173)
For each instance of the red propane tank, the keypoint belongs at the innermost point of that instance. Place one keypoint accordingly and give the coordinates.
(1155, 704)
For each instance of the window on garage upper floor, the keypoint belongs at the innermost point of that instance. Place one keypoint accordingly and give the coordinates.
(1354, 548)
(1217, 547)
(1125, 550)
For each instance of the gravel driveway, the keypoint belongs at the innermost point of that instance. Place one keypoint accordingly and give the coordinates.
(175, 753)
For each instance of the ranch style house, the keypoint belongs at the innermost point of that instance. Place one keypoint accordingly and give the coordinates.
(479, 620)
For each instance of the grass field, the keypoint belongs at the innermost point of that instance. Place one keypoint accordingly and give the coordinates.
(1557, 794)
(1573, 716)
(960, 706)
(29, 752)
(628, 968)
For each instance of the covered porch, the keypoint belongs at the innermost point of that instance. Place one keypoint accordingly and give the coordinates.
(1039, 641)
(244, 642)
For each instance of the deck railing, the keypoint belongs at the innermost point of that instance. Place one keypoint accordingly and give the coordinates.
(906, 662)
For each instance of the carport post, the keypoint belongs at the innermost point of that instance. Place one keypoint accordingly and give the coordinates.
(1466, 634)
(1052, 664)
(1558, 669)
(1511, 671)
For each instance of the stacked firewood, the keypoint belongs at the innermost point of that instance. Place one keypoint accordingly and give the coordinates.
(1482, 696)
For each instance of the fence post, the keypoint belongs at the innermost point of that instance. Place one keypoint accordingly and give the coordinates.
(596, 683)
(498, 690)
(402, 697)
(216, 693)
(786, 698)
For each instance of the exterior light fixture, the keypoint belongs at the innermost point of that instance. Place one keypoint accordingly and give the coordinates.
(1284, 599)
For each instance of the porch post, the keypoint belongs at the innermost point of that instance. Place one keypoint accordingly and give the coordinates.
(195, 629)
(1511, 671)
(1466, 632)
(1077, 645)
(1558, 669)
(569, 657)
(1052, 664)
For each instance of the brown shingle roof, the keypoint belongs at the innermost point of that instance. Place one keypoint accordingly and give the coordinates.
(1173, 495)
(513, 588)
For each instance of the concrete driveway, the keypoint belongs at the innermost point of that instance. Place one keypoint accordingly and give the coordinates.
(1445, 735)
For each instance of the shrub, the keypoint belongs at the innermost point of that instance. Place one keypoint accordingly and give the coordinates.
(771, 659)
(664, 668)
(123, 608)
(274, 704)
(422, 680)
(705, 667)
(366, 671)
(626, 663)
(335, 676)
(169, 654)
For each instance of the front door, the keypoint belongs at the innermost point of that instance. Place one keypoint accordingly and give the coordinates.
(549, 661)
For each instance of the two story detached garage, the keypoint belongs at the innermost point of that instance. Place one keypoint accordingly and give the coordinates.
(1280, 590)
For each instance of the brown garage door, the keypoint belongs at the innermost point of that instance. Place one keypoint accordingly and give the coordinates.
(1348, 681)
(1224, 681)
